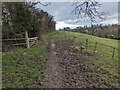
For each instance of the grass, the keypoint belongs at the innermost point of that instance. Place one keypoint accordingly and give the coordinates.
(109, 82)
(110, 42)
(103, 57)
(23, 67)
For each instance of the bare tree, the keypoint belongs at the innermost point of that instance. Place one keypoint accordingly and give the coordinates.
(84, 9)
(88, 10)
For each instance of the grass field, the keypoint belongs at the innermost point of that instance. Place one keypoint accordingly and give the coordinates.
(103, 57)
(21, 67)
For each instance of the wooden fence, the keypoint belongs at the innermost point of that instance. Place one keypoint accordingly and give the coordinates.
(28, 42)
(86, 43)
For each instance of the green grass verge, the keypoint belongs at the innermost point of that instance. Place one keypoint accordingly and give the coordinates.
(24, 67)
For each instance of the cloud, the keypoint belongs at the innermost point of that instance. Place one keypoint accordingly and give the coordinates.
(72, 23)
(115, 15)
(62, 24)
(110, 21)
(62, 14)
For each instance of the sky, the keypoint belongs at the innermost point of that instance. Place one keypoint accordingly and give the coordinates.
(64, 18)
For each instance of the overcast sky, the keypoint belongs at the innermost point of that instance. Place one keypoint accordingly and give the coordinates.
(64, 18)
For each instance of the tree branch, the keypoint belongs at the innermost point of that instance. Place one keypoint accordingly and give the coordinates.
(88, 10)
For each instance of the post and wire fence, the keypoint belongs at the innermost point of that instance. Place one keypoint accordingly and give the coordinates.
(86, 45)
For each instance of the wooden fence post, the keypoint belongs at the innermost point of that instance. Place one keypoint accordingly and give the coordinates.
(86, 44)
(113, 53)
(95, 47)
(27, 40)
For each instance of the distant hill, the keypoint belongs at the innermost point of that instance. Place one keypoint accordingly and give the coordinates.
(106, 31)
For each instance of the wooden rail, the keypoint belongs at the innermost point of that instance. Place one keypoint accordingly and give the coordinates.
(33, 41)
(27, 41)
(13, 39)
(19, 44)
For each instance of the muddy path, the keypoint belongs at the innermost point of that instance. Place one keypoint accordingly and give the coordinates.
(68, 69)
(53, 78)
